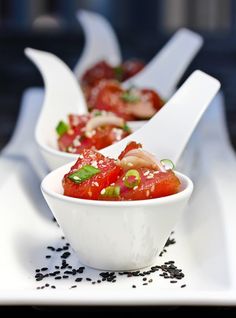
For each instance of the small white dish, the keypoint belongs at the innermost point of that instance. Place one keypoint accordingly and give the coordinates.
(125, 235)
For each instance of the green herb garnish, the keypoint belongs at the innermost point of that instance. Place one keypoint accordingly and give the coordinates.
(129, 97)
(126, 128)
(167, 164)
(132, 178)
(61, 128)
(119, 72)
(84, 173)
(111, 191)
(97, 113)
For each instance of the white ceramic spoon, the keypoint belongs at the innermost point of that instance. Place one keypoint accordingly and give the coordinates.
(63, 90)
(167, 133)
(100, 42)
(164, 71)
(128, 235)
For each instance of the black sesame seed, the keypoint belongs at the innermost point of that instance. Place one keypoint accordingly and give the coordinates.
(57, 277)
(150, 281)
(74, 286)
(182, 286)
(46, 285)
(93, 283)
(63, 237)
(133, 286)
(144, 279)
(51, 248)
(48, 256)
(79, 279)
(145, 284)
(173, 281)
(44, 269)
(57, 267)
(88, 279)
(53, 286)
(37, 270)
(98, 281)
(65, 276)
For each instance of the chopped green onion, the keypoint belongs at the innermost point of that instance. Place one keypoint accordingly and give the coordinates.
(97, 113)
(132, 178)
(126, 128)
(111, 191)
(62, 128)
(119, 71)
(129, 97)
(167, 164)
(84, 173)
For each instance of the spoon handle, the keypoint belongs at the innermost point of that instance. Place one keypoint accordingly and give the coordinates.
(167, 67)
(168, 132)
(100, 42)
(63, 94)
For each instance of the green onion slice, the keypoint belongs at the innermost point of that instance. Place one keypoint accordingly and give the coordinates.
(129, 97)
(132, 178)
(97, 113)
(84, 173)
(126, 128)
(62, 128)
(111, 191)
(119, 71)
(168, 164)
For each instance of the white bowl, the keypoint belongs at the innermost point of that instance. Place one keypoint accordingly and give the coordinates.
(123, 235)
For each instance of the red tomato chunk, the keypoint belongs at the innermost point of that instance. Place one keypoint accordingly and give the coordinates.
(107, 180)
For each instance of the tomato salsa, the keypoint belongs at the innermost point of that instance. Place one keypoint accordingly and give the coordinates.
(103, 90)
(96, 130)
(135, 175)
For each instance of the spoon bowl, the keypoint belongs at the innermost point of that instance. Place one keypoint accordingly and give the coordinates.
(107, 235)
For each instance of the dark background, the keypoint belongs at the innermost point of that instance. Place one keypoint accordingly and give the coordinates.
(142, 28)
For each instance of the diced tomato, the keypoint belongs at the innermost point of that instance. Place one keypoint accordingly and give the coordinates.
(91, 188)
(153, 184)
(132, 145)
(153, 97)
(76, 121)
(107, 96)
(107, 135)
(66, 140)
(131, 68)
(96, 73)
